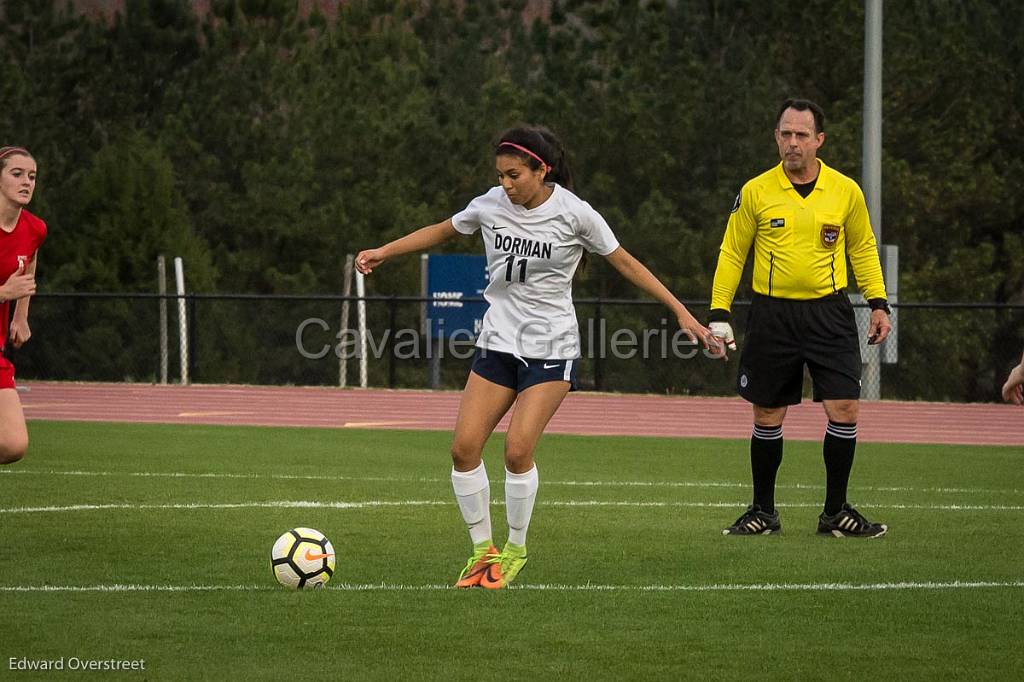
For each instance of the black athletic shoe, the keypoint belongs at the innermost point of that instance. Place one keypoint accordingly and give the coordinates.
(755, 521)
(849, 523)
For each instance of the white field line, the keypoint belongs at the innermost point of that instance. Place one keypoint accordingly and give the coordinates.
(582, 587)
(779, 587)
(395, 479)
(371, 504)
(192, 506)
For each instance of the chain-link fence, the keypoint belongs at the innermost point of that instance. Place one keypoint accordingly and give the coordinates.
(947, 352)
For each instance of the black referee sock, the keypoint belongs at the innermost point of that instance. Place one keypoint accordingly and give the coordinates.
(838, 448)
(765, 458)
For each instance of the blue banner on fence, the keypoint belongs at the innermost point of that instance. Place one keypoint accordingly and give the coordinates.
(451, 280)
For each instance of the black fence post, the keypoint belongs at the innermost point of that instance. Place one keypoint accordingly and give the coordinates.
(190, 298)
(392, 323)
(598, 368)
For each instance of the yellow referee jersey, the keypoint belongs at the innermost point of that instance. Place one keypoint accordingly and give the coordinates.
(800, 245)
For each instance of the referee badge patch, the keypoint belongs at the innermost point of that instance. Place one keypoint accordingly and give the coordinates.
(829, 235)
(736, 204)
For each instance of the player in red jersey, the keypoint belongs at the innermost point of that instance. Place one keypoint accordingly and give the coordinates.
(21, 233)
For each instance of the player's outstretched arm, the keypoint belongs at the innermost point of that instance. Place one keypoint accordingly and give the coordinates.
(420, 240)
(637, 273)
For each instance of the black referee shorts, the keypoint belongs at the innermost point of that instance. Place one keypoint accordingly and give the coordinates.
(783, 335)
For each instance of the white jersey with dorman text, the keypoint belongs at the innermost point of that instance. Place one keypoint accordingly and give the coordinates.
(532, 255)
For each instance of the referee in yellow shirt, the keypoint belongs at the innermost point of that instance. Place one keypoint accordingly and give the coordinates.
(803, 220)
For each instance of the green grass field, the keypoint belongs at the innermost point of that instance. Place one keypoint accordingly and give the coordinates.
(629, 576)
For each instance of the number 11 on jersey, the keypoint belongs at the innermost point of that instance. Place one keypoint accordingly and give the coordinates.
(509, 266)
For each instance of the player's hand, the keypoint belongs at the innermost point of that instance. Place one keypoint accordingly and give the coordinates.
(723, 331)
(1013, 389)
(879, 327)
(18, 285)
(367, 260)
(20, 332)
(699, 333)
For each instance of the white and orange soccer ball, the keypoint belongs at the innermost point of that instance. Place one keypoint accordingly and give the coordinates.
(302, 558)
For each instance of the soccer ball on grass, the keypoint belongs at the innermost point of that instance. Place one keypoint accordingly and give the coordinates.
(302, 558)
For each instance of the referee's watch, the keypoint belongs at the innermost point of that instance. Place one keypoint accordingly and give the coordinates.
(718, 315)
(880, 304)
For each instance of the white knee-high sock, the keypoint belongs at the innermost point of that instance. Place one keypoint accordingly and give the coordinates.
(473, 493)
(520, 494)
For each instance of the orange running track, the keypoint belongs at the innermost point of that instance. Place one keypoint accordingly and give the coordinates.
(581, 413)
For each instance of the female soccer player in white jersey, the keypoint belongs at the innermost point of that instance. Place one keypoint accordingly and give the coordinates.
(535, 231)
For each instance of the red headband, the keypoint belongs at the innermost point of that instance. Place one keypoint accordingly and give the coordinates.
(8, 151)
(526, 151)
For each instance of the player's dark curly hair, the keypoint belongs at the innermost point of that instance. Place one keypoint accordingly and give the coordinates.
(542, 142)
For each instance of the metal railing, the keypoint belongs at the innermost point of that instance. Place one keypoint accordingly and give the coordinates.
(947, 351)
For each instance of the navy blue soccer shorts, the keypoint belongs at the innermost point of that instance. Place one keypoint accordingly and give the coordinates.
(519, 374)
